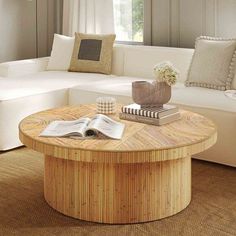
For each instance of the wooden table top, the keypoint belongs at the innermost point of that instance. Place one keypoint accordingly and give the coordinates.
(191, 134)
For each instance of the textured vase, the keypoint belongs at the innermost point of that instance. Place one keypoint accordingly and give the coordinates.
(151, 95)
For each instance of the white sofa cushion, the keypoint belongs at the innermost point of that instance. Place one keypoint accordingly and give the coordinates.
(202, 97)
(121, 86)
(118, 59)
(23, 67)
(140, 60)
(44, 82)
(61, 53)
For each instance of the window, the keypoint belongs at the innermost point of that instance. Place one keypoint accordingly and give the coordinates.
(129, 20)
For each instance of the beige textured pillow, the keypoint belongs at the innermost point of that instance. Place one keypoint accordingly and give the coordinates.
(234, 80)
(213, 63)
(92, 53)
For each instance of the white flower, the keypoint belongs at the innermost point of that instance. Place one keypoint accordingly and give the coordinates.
(166, 72)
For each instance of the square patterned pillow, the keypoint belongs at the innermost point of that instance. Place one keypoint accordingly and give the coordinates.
(92, 53)
(212, 63)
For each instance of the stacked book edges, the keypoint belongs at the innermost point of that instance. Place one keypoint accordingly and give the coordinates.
(153, 116)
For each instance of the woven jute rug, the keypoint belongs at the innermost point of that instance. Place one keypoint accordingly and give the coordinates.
(23, 210)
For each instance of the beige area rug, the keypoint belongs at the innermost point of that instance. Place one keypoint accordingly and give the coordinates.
(23, 210)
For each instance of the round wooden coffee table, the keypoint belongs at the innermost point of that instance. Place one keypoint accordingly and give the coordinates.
(145, 176)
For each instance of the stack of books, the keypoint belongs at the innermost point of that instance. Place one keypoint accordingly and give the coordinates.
(153, 116)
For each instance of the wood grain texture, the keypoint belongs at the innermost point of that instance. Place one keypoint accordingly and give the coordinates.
(118, 193)
(191, 134)
(144, 176)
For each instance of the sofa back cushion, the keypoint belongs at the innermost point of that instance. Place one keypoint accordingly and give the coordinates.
(138, 61)
(118, 59)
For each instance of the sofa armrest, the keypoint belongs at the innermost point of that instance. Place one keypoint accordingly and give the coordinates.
(23, 67)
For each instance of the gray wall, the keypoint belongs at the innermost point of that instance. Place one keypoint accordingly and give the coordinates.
(26, 32)
(178, 22)
(17, 29)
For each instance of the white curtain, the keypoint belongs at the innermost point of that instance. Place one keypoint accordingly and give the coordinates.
(88, 16)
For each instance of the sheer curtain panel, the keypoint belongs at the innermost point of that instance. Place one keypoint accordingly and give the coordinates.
(88, 16)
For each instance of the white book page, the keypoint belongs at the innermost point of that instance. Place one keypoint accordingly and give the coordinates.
(106, 126)
(66, 128)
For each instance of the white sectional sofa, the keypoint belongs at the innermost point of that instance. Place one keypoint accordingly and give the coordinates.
(26, 87)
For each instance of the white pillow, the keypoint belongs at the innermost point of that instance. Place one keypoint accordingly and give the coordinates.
(61, 53)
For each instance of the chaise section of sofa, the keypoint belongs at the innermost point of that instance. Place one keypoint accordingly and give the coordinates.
(26, 88)
(23, 67)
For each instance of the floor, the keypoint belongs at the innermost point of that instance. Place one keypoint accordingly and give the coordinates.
(23, 210)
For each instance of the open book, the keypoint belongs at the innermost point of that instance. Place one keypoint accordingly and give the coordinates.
(85, 128)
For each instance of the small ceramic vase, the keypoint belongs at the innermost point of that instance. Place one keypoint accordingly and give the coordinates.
(151, 95)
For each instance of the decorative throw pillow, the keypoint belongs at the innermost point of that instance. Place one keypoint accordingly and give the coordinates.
(212, 63)
(92, 53)
(234, 80)
(61, 53)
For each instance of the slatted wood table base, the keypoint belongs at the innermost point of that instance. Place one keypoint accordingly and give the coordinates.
(118, 193)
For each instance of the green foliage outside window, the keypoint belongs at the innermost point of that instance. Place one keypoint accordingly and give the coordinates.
(137, 18)
(129, 19)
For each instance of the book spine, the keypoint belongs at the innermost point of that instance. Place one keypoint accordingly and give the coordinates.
(140, 119)
(150, 121)
(140, 112)
(168, 112)
(149, 113)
